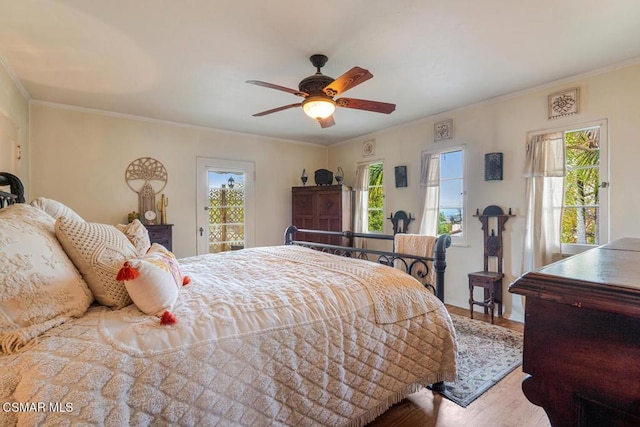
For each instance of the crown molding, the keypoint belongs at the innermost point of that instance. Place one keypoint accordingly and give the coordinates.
(15, 79)
(164, 122)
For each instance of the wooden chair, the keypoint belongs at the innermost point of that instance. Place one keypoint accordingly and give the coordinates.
(490, 280)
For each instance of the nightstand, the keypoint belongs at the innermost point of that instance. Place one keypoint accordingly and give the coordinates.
(161, 234)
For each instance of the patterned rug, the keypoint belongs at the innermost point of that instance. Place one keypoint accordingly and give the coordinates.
(486, 354)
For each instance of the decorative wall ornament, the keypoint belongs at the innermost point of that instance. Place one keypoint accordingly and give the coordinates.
(564, 103)
(147, 177)
(369, 147)
(493, 167)
(443, 130)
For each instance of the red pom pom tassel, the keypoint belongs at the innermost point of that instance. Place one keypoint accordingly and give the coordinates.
(127, 273)
(168, 318)
(186, 280)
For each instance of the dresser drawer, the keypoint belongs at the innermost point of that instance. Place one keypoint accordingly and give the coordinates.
(161, 234)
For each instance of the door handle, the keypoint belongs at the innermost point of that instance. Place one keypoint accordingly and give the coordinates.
(201, 231)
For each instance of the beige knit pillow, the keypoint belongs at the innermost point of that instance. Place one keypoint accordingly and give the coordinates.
(98, 251)
(39, 286)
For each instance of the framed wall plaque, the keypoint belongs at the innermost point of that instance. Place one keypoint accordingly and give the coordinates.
(369, 147)
(401, 176)
(564, 103)
(493, 167)
(443, 130)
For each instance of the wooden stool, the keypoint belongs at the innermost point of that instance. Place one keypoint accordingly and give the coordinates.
(491, 281)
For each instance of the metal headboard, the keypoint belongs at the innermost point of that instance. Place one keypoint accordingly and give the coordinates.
(416, 266)
(16, 189)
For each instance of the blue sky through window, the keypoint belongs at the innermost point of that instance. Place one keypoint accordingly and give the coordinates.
(451, 179)
(217, 179)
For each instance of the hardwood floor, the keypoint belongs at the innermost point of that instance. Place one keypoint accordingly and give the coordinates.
(503, 405)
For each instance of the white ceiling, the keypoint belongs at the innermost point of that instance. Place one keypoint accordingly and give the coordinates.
(187, 61)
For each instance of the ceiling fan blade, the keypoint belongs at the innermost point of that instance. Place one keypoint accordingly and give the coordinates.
(351, 78)
(327, 123)
(363, 104)
(282, 88)
(275, 110)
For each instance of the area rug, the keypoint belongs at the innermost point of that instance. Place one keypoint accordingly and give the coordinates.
(486, 354)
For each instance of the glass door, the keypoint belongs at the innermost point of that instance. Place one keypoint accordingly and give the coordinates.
(225, 205)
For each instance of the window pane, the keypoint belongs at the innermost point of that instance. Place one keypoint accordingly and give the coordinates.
(451, 213)
(376, 197)
(451, 165)
(581, 198)
(376, 218)
(580, 225)
(450, 221)
(451, 193)
(582, 187)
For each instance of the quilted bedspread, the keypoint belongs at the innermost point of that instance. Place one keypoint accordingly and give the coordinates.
(265, 336)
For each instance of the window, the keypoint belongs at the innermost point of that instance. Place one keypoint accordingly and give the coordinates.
(442, 175)
(565, 202)
(582, 204)
(369, 198)
(375, 205)
(451, 211)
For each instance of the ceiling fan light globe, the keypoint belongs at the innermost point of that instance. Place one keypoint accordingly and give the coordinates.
(318, 107)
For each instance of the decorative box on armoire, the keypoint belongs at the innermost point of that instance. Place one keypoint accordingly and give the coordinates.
(322, 207)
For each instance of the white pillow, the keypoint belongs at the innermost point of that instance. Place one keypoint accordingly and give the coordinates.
(39, 286)
(137, 234)
(55, 209)
(153, 281)
(98, 251)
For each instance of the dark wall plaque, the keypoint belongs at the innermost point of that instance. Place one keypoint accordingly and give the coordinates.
(401, 176)
(493, 167)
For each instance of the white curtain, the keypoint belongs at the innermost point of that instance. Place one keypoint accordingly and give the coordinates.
(361, 208)
(544, 175)
(430, 180)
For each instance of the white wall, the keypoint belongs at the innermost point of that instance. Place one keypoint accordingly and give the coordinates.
(79, 158)
(501, 125)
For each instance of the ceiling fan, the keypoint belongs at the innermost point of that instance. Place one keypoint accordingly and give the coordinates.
(319, 90)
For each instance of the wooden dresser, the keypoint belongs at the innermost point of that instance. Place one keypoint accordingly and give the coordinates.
(161, 233)
(582, 337)
(324, 207)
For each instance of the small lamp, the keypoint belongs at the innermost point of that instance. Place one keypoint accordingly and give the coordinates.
(304, 177)
(231, 182)
(318, 107)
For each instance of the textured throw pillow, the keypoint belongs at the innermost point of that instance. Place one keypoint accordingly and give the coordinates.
(98, 251)
(39, 286)
(55, 209)
(152, 281)
(137, 234)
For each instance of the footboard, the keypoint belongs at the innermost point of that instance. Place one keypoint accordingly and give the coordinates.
(417, 266)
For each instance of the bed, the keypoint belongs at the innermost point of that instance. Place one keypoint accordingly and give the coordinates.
(283, 335)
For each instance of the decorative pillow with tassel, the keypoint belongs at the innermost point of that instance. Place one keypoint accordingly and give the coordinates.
(153, 282)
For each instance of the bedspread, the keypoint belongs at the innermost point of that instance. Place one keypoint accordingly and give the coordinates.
(265, 336)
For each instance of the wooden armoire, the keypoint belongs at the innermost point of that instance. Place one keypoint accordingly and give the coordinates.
(322, 207)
